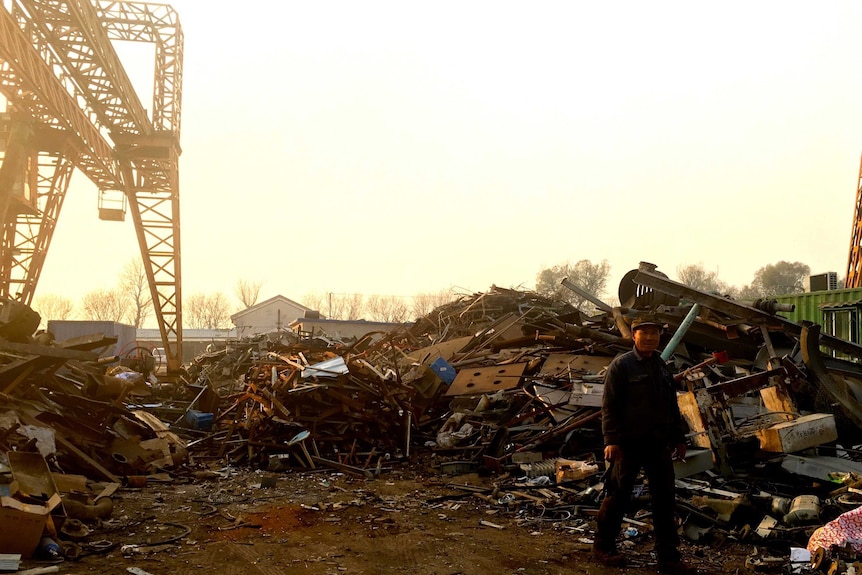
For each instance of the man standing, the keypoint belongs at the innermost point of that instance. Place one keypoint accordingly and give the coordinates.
(642, 429)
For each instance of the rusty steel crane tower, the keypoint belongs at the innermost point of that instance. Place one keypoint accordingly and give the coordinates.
(70, 104)
(854, 259)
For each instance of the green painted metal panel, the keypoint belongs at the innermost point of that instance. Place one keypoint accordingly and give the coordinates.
(809, 305)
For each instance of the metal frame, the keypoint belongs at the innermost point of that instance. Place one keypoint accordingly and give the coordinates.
(58, 66)
(854, 259)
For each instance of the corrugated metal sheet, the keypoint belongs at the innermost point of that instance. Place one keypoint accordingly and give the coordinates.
(809, 305)
(67, 329)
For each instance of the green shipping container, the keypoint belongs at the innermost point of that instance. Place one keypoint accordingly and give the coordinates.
(837, 311)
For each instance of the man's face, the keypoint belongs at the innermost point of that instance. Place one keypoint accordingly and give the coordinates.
(647, 339)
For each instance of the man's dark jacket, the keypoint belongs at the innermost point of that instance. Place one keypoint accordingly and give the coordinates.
(639, 402)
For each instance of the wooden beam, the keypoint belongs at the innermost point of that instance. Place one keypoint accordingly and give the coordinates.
(30, 420)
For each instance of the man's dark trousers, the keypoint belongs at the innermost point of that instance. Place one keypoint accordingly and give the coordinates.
(658, 467)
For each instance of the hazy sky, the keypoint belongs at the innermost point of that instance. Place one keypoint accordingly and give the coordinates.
(405, 147)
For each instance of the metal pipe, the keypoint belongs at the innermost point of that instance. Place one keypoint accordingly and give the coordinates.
(680, 332)
(586, 295)
(619, 320)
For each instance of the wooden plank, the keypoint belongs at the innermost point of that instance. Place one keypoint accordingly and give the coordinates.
(690, 411)
(342, 467)
(778, 401)
(19, 378)
(47, 351)
(86, 458)
(805, 432)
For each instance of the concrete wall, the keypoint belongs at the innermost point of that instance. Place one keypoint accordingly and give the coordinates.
(67, 329)
(340, 329)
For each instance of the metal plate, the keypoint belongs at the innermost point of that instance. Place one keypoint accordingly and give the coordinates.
(487, 379)
(446, 350)
(562, 364)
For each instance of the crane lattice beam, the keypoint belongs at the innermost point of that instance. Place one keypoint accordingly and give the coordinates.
(58, 67)
(854, 260)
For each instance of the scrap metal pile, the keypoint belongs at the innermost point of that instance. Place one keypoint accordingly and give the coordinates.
(479, 382)
(494, 375)
(506, 382)
(61, 400)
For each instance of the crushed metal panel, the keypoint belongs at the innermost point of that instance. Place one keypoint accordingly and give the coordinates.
(487, 379)
(820, 467)
(696, 461)
(329, 368)
(552, 396)
(445, 349)
(559, 364)
(31, 474)
(587, 394)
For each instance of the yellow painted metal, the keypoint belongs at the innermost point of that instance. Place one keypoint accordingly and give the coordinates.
(59, 68)
(854, 259)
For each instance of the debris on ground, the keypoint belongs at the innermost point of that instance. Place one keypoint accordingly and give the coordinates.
(506, 385)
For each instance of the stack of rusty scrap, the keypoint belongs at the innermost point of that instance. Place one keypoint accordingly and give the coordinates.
(502, 360)
(493, 375)
(346, 398)
(62, 399)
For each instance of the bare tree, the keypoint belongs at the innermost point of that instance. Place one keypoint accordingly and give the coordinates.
(695, 276)
(345, 306)
(746, 292)
(590, 277)
(780, 278)
(136, 285)
(106, 305)
(425, 303)
(52, 307)
(194, 311)
(388, 308)
(207, 311)
(247, 292)
(314, 301)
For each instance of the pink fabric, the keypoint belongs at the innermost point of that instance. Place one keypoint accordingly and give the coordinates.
(846, 528)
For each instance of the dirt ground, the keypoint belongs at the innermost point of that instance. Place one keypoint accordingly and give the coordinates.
(325, 522)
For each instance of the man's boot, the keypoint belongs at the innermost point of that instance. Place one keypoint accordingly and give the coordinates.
(676, 567)
(607, 558)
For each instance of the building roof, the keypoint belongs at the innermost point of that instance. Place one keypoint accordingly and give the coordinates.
(829, 305)
(267, 302)
(343, 322)
(188, 334)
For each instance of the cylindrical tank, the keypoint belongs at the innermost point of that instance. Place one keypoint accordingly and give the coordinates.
(803, 509)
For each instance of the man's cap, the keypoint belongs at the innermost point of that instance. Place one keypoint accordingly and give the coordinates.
(645, 320)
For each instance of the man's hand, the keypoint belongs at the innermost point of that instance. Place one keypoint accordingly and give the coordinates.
(613, 452)
(679, 452)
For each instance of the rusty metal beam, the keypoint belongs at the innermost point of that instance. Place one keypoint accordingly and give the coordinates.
(58, 66)
(646, 276)
(854, 257)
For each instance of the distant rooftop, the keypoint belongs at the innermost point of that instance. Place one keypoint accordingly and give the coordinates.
(190, 334)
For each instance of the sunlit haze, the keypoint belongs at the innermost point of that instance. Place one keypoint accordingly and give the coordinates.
(396, 148)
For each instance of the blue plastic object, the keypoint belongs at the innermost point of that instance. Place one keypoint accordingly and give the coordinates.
(443, 370)
(199, 419)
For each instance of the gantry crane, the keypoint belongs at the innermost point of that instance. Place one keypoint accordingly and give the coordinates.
(70, 104)
(854, 259)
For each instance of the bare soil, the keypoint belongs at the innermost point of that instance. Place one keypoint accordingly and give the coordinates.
(324, 522)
